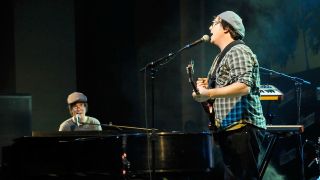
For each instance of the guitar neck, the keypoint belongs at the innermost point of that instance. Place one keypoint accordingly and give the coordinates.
(194, 87)
(206, 106)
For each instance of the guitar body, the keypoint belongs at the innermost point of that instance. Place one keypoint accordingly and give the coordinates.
(207, 105)
(208, 108)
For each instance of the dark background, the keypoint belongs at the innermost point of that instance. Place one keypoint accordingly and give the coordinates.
(50, 48)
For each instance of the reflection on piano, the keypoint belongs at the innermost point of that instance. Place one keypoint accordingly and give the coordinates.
(270, 93)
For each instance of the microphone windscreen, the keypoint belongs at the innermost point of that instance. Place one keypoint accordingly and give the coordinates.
(205, 38)
(77, 117)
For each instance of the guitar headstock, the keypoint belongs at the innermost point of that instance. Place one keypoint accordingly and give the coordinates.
(190, 72)
(190, 67)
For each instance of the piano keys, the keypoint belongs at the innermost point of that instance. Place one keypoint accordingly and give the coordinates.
(270, 93)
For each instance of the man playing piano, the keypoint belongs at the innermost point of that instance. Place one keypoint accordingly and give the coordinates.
(79, 121)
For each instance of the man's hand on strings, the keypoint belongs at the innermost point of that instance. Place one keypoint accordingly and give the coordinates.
(203, 82)
(204, 95)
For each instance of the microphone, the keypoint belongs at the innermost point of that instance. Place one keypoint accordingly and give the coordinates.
(205, 38)
(77, 118)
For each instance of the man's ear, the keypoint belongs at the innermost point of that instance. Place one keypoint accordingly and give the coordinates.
(226, 30)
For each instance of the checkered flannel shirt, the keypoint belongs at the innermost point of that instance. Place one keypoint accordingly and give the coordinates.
(238, 65)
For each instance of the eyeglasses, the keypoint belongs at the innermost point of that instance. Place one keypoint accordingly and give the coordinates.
(78, 105)
(215, 23)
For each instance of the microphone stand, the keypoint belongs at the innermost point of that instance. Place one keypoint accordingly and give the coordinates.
(151, 68)
(298, 83)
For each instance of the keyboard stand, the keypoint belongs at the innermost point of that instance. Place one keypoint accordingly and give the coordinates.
(267, 156)
(276, 131)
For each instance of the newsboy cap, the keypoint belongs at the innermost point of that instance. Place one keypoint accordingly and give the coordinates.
(76, 97)
(234, 20)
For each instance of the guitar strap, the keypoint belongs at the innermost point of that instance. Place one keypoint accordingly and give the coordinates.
(212, 81)
(212, 76)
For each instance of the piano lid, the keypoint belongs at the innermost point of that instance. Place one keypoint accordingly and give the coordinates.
(74, 133)
(108, 130)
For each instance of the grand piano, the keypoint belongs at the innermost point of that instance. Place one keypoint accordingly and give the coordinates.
(109, 154)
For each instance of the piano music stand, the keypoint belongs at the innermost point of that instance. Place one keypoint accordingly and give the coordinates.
(298, 82)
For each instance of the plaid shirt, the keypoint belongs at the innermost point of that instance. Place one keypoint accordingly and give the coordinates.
(238, 65)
